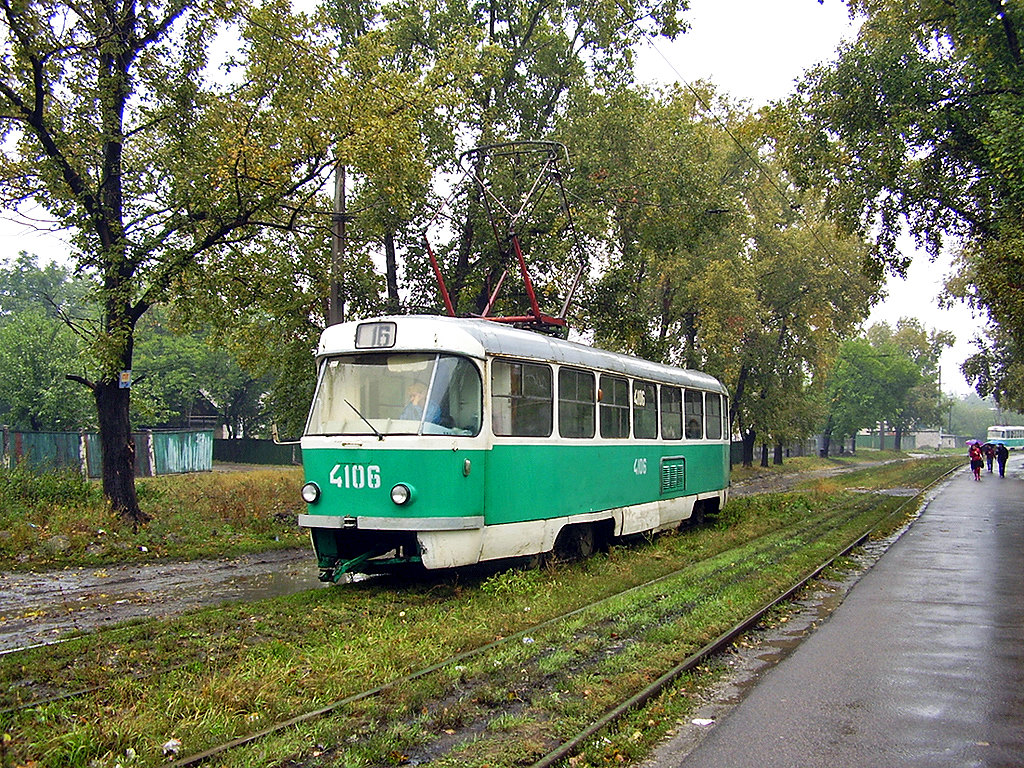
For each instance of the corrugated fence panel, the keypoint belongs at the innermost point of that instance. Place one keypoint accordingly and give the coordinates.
(156, 453)
(94, 456)
(180, 452)
(43, 450)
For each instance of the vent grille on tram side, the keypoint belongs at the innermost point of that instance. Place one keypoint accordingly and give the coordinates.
(673, 474)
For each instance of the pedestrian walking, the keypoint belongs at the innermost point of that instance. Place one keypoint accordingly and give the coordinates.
(977, 460)
(1002, 454)
(990, 454)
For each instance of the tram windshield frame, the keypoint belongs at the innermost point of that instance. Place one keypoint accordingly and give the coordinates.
(397, 393)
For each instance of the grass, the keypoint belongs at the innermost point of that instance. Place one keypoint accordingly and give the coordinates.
(57, 519)
(243, 667)
(803, 464)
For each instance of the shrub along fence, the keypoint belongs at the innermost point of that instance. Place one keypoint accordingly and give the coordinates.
(156, 452)
(251, 451)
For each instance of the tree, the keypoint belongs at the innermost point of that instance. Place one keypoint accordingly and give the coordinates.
(922, 404)
(653, 194)
(35, 354)
(919, 124)
(37, 348)
(493, 72)
(534, 55)
(706, 262)
(180, 375)
(112, 125)
(887, 376)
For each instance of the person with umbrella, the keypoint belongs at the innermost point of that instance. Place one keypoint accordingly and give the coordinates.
(990, 454)
(976, 457)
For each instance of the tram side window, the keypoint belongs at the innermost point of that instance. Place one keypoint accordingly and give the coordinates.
(614, 407)
(671, 413)
(714, 403)
(575, 403)
(645, 410)
(521, 401)
(694, 414)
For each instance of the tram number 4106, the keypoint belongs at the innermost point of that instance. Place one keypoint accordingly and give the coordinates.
(355, 476)
(640, 467)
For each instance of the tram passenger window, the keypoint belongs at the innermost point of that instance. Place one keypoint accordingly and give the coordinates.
(714, 430)
(645, 410)
(671, 413)
(614, 407)
(694, 414)
(521, 401)
(575, 403)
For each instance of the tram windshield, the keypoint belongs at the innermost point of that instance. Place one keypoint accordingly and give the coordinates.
(396, 394)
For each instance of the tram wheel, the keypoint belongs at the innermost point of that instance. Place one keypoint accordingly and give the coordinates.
(576, 542)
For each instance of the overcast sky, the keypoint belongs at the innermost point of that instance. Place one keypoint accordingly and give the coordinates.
(755, 50)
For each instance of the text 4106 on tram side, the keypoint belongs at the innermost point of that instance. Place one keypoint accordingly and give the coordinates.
(355, 476)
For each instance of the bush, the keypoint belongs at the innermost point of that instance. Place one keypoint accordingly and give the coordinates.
(21, 486)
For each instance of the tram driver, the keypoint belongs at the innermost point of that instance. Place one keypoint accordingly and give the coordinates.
(416, 395)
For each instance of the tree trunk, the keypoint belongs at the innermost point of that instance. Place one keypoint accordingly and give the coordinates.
(749, 437)
(118, 451)
(764, 454)
(899, 437)
(777, 457)
(826, 437)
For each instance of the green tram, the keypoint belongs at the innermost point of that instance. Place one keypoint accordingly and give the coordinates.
(446, 442)
(1011, 437)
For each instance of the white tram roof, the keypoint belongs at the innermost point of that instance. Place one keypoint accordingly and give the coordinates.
(482, 338)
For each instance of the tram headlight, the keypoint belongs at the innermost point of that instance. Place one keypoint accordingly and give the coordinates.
(310, 493)
(402, 494)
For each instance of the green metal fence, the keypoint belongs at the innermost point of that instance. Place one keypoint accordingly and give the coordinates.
(156, 453)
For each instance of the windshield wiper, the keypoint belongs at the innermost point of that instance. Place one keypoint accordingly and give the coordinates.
(366, 420)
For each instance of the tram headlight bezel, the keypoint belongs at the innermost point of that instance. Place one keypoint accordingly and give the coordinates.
(310, 493)
(402, 494)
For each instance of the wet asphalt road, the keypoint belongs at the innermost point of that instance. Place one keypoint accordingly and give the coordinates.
(921, 665)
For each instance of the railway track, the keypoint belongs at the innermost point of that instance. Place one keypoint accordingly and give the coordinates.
(621, 631)
(213, 657)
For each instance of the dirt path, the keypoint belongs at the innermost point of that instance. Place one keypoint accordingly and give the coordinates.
(44, 607)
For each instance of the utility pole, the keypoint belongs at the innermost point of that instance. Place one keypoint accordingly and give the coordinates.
(335, 301)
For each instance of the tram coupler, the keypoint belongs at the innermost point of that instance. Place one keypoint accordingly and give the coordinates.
(337, 569)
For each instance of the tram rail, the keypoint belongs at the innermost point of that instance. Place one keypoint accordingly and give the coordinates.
(769, 549)
(755, 563)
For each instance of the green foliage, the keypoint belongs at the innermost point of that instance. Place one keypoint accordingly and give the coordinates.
(971, 416)
(22, 487)
(116, 127)
(36, 354)
(512, 583)
(40, 308)
(918, 124)
(180, 374)
(706, 264)
(889, 376)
